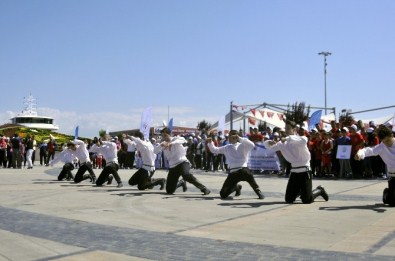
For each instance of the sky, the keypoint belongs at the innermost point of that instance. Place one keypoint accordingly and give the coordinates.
(99, 64)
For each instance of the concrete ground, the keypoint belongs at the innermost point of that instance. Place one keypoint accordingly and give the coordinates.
(44, 219)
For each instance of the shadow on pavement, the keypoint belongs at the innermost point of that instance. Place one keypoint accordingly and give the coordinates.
(379, 208)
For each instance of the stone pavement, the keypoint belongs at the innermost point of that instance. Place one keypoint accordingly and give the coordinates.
(43, 219)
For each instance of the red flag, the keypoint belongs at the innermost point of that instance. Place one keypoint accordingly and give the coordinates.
(280, 116)
(262, 113)
(251, 120)
(253, 111)
(270, 114)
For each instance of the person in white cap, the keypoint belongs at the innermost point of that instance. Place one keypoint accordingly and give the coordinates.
(386, 150)
(236, 153)
(142, 177)
(295, 151)
(175, 153)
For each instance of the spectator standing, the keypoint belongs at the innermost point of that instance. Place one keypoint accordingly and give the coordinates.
(51, 146)
(3, 152)
(357, 142)
(16, 152)
(344, 164)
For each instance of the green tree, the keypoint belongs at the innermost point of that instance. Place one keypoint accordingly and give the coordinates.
(203, 126)
(102, 133)
(298, 112)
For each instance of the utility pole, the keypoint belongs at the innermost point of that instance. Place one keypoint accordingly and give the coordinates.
(325, 54)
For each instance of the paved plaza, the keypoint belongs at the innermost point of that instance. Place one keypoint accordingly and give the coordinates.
(44, 219)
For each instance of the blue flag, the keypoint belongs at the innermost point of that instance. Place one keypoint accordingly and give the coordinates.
(76, 132)
(315, 118)
(170, 125)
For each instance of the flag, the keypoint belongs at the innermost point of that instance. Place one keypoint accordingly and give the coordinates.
(146, 120)
(221, 124)
(170, 125)
(251, 120)
(315, 118)
(76, 132)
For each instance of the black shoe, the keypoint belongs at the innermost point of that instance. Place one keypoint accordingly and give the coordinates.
(109, 180)
(184, 186)
(323, 193)
(120, 185)
(385, 195)
(238, 190)
(260, 195)
(206, 191)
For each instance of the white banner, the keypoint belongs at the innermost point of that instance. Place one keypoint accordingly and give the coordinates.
(146, 121)
(261, 159)
(343, 152)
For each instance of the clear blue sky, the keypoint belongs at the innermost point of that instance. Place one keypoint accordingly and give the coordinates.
(99, 64)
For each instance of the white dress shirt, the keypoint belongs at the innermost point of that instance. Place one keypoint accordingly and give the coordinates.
(295, 151)
(146, 150)
(109, 151)
(66, 156)
(175, 154)
(81, 152)
(386, 153)
(236, 154)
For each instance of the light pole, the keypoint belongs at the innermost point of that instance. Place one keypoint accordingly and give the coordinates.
(325, 54)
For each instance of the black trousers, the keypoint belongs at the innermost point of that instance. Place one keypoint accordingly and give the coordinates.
(183, 169)
(244, 174)
(111, 168)
(299, 184)
(79, 176)
(142, 179)
(391, 192)
(130, 157)
(66, 171)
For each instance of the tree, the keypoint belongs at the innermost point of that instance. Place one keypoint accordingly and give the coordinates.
(298, 113)
(346, 119)
(102, 133)
(203, 126)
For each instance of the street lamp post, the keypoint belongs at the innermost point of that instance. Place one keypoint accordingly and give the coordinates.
(325, 54)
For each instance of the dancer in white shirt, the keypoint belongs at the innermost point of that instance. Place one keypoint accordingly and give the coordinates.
(67, 156)
(142, 178)
(294, 149)
(175, 153)
(109, 151)
(386, 150)
(236, 154)
(82, 154)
